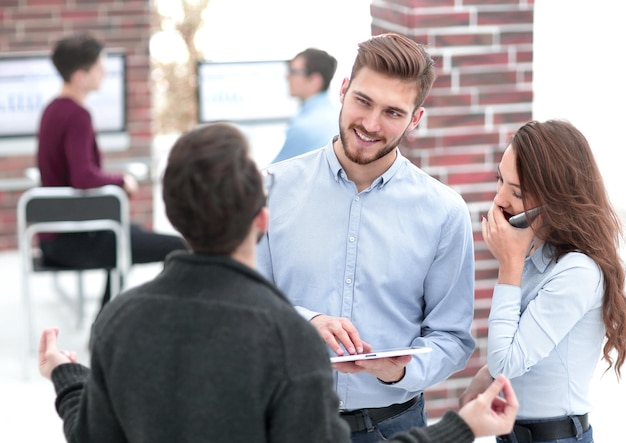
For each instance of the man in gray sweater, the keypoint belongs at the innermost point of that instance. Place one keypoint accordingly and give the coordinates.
(210, 351)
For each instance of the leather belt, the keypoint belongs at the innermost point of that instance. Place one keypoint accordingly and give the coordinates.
(356, 418)
(547, 430)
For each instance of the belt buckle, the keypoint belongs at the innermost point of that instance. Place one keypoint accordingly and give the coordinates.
(523, 434)
(355, 419)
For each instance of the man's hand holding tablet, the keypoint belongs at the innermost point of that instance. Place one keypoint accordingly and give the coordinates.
(386, 365)
(381, 354)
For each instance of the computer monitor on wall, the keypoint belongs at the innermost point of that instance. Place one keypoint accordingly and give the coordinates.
(254, 95)
(28, 81)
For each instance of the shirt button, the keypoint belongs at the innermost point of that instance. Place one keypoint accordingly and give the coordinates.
(348, 280)
(357, 198)
(351, 238)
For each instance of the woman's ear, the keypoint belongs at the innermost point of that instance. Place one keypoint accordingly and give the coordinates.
(344, 88)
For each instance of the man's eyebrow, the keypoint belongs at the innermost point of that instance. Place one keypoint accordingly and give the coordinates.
(391, 108)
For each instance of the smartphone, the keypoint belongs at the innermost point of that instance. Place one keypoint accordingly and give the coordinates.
(524, 219)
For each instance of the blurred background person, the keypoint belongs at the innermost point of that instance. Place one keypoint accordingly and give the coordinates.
(68, 155)
(309, 77)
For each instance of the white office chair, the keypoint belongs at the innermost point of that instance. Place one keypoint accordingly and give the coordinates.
(63, 210)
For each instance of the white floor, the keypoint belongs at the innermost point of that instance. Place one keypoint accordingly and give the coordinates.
(27, 411)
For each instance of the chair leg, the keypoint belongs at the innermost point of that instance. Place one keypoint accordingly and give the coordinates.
(115, 276)
(59, 288)
(80, 300)
(29, 346)
(77, 301)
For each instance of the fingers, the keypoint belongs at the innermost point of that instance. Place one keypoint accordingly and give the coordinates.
(349, 337)
(484, 224)
(388, 362)
(347, 367)
(479, 383)
(71, 355)
(390, 369)
(508, 405)
(493, 390)
(48, 341)
(467, 396)
(337, 332)
(509, 393)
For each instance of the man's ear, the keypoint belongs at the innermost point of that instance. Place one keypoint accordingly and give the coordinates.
(317, 80)
(344, 88)
(261, 223)
(262, 219)
(77, 77)
(415, 118)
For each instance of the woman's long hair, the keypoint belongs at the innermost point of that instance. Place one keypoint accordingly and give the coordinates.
(557, 168)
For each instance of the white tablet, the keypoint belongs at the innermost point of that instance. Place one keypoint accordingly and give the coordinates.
(381, 354)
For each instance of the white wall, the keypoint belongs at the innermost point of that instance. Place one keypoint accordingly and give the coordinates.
(579, 76)
(246, 30)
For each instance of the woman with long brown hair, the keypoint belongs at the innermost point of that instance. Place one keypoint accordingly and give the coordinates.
(559, 302)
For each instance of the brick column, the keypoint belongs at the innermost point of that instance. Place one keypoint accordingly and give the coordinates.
(483, 93)
(35, 25)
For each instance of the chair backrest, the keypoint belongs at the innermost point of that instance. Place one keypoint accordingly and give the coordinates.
(66, 209)
(51, 204)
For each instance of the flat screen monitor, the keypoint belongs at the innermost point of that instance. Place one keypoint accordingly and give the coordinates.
(244, 92)
(29, 81)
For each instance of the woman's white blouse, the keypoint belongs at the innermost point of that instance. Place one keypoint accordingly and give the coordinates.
(547, 336)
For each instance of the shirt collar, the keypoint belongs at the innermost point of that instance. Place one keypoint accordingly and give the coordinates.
(338, 171)
(542, 257)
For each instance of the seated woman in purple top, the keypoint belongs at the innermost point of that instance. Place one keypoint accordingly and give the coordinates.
(68, 155)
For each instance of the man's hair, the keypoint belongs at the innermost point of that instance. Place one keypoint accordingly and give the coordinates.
(74, 53)
(399, 57)
(212, 188)
(316, 60)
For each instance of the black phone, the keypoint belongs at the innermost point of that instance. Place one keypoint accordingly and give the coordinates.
(524, 219)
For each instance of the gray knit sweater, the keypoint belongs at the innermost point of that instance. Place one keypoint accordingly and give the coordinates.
(450, 429)
(208, 351)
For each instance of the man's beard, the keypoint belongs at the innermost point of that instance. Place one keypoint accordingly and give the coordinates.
(359, 157)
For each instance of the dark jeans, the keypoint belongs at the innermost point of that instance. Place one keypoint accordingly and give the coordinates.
(89, 250)
(414, 416)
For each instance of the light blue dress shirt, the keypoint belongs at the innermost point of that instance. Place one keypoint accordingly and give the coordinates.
(396, 259)
(547, 335)
(315, 123)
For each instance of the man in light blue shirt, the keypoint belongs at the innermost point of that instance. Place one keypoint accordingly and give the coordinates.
(309, 77)
(371, 250)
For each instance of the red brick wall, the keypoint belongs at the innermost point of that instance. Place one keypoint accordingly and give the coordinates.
(483, 93)
(34, 25)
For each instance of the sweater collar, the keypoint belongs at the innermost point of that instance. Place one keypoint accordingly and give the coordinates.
(223, 261)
